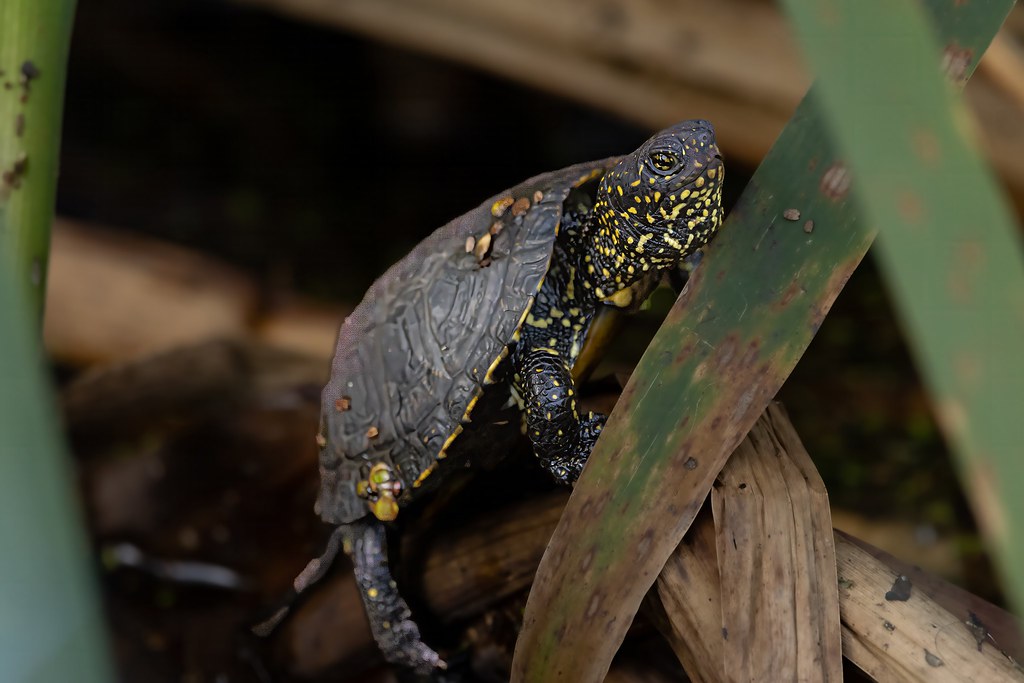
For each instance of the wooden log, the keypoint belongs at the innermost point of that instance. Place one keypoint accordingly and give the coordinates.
(469, 570)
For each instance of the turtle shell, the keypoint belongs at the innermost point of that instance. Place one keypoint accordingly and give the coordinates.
(414, 357)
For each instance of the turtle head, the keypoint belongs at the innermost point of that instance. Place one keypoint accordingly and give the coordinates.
(668, 192)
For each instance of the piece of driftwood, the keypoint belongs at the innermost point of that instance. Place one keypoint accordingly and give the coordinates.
(894, 631)
(1003, 628)
(732, 61)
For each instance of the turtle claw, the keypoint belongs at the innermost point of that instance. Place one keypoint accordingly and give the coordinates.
(402, 647)
(421, 659)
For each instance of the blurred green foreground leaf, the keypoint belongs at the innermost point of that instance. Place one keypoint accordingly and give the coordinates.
(949, 249)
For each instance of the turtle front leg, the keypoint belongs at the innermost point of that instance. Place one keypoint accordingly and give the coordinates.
(562, 439)
(397, 635)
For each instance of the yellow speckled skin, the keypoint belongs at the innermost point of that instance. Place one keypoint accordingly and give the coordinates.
(653, 209)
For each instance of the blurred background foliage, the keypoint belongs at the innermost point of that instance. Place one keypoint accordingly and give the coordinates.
(246, 169)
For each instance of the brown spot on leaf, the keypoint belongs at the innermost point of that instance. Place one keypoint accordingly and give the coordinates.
(11, 178)
(753, 351)
(372, 433)
(962, 280)
(701, 371)
(967, 366)
(791, 293)
(592, 507)
(29, 71)
(835, 181)
(910, 206)
(683, 353)
(926, 146)
(587, 560)
(342, 404)
(726, 351)
(644, 546)
(956, 62)
(593, 605)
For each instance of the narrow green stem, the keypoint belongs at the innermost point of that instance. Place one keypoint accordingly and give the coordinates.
(34, 38)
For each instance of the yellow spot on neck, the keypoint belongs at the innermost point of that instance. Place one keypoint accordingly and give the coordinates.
(621, 298)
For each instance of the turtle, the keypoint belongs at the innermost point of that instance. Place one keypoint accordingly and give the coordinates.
(478, 330)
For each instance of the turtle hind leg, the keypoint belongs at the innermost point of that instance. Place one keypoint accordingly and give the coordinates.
(561, 437)
(397, 635)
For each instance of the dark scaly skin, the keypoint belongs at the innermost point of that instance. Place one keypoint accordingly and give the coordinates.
(645, 219)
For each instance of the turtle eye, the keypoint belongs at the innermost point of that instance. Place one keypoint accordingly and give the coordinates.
(663, 161)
